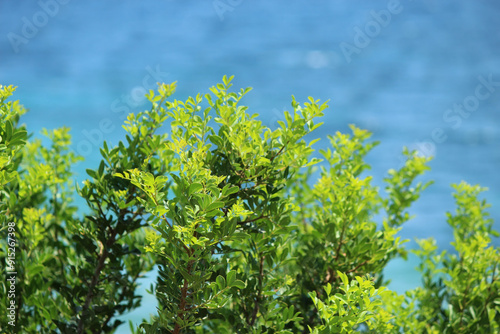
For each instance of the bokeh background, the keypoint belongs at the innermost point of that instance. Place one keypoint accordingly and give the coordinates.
(401, 69)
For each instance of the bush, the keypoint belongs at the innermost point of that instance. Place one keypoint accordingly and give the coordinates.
(244, 242)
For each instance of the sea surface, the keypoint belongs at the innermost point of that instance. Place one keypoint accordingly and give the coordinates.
(422, 74)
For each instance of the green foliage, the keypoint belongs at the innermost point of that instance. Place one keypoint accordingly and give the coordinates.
(460, 292)
(12, 137)
(357, 302)
(74, 275)
(245, 241)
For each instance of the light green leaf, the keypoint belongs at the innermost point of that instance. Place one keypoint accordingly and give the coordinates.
(231, 276)
(194, 188)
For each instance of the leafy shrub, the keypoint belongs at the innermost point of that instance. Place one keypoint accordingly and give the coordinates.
(244, 241)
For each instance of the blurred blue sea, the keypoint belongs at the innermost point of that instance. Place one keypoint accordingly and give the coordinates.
(398, 68)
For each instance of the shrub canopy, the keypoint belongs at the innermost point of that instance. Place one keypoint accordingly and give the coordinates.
(245, 241)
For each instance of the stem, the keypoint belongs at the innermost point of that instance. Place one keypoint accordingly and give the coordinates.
(259, 294)
(466, 292)
(252, 220)
(490, 294)
(95, 279)
(182, 305)
(341, 241)
(279, 152)
(358, 266)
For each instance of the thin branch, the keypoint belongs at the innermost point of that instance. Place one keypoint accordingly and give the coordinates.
(259, 294)
(182, 305)
(341, 242)
(466, 292)
(279, 152)
(252, 220)
(358, 266)
(95, 279)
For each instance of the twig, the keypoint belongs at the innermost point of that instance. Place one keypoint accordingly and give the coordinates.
(358, 266)
(182, 305)
(95, 279)
(259, 294)
(279, 152)
(252, 220)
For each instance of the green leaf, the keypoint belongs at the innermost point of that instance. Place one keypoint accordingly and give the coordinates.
(35, 269)
(194, 188)
(216, 140)
(239, 284)
(231, 276)
(19, 137)
(101, 168)
(93, 174)
(221, 282)
(214, 206)
(8, 130)
(228, 190)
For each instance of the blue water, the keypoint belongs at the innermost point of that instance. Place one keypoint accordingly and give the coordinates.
(88, 63)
